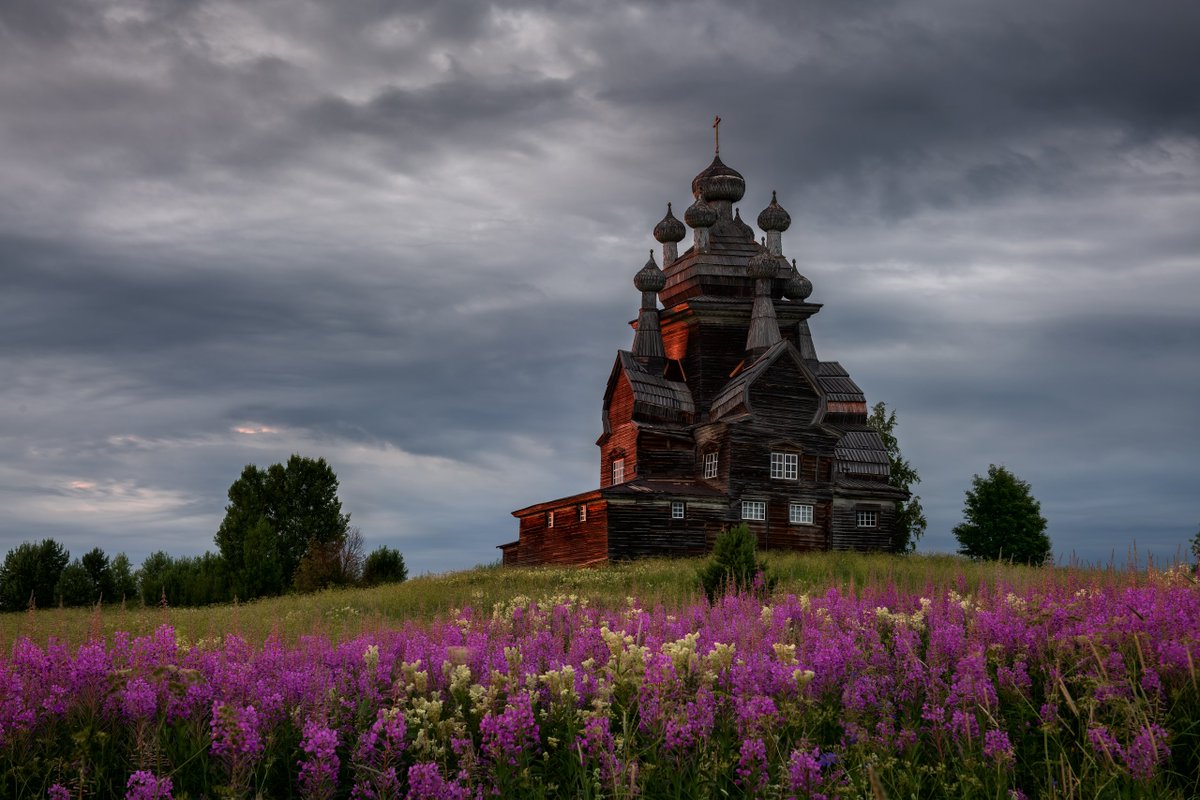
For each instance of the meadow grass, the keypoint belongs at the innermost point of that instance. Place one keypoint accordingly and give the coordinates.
(864, 675)
(345, 613)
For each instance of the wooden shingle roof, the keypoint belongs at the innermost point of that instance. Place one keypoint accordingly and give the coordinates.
(838, 385)
(860, 451)
(655, 397)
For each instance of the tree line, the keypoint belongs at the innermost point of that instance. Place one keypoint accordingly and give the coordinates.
(283, 531)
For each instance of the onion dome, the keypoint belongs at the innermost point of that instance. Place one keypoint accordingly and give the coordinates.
(719, 182)
(742, 227)
(700, 214)
(762, 265)
(650, 278)
(773, 217)
(797, 287)
(669, 229)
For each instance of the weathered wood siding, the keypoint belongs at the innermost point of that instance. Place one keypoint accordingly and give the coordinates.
(711, 438)
(846, 535)
(569, 542)
(622, 441)
(661, 456)
(640, 527)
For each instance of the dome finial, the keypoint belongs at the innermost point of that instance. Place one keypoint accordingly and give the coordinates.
(717, 135)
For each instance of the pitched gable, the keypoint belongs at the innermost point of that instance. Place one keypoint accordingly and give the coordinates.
(777, 384)
(654, 398)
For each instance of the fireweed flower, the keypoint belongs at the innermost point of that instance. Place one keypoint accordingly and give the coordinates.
(1104, 743)
(58, 792)
(377, 757)
(145, 785)
(997, 747)
(235, 730)
(139, 700)
(319, 767)
(804, 774)
(513, 732)
(425, 782)
(1146, 752)
(752, 775)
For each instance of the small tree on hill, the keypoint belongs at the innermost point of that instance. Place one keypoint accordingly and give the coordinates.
(326, 564)
(910, 516)
(1002, 520)
(384, 565)
(734, 565)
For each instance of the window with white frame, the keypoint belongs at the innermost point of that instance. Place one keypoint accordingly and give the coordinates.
(677, 509)
(785, 466)
(754, 509)
(583, 512)
(710, 464)
(549, 519)
(866, 519)
(618, 471)
(800, 514)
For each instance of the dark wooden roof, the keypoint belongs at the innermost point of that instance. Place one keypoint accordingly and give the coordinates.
(667, 486)
(718, 271)
(875, 487)
(837, 383)
(552, 505)
(735, 396)
(655, 397)
(860, 451)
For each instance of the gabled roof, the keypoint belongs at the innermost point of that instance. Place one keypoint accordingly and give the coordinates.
(736, 394)
(655, 398)
(861, 451)
(838, 386)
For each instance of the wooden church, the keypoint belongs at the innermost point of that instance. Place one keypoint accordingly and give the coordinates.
(722, 412)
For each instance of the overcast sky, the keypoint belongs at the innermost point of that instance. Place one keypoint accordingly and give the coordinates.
(402, 236)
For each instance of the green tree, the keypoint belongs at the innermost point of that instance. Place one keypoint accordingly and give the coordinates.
(32, 570)
(75, 586)
(326, 564)
(154, 576)
(910, 516)
(86, 581)
(100, 573)
(124, 582)
(273, 516)
(734, 565)
(384, 565)
(1002, 520)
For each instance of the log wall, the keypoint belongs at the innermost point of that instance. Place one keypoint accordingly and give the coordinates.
(569, 542)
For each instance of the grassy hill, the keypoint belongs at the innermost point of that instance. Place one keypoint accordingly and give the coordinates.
(670, 582)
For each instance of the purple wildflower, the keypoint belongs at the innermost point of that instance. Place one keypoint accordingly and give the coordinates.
(425, 782)
(144, 785)
(752, 775)
(512, 732)
(1148, 750)
(319, 767)
(804, 774)
(997, 747)
(58, 792)
(139, 700)
(1105, 743)
(235, 731)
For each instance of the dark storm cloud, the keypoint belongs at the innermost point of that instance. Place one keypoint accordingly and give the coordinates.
(402, 235)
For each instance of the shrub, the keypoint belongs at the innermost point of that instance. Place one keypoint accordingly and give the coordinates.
(734, 566)
(384, 565)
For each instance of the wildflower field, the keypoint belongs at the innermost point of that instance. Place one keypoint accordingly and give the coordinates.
(924, 679)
